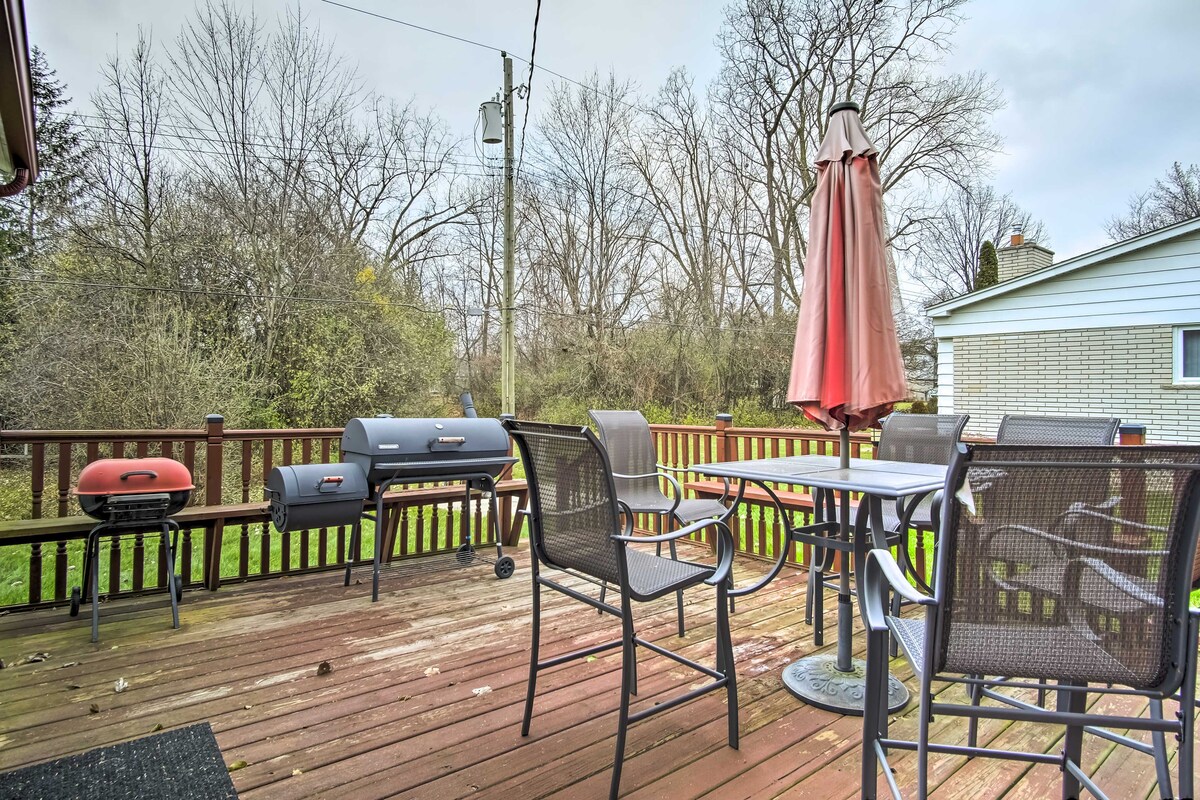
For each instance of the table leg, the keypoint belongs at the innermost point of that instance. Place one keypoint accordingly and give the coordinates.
(838, 682)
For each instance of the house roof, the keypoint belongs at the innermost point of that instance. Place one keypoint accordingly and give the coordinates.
(18, 152)
(1070, 265)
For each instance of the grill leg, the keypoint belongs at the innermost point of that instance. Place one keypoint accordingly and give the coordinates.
(355, 535)
(170, 529)
(380, 536)
(494, 513)
(93, 547)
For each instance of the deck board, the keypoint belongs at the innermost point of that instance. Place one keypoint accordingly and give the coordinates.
(399, 715)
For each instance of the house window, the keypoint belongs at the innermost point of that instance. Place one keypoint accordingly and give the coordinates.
(1187, 355)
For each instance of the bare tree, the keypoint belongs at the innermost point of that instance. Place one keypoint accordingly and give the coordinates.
(1174, 198)
(786, 62)
(133, 180)
(945, 260)
(588, 226)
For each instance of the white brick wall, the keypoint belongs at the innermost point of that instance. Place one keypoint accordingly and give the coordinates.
(1121, 372)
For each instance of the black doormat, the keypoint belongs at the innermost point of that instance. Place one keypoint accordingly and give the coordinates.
(183, 763)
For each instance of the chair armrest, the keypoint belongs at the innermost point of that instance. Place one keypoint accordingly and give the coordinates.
(724, 556)
(628, 514)
(724, 495)
(882, 572)
(1073, 544)
(1121, 582)
(674, 485)
(666, 537)
(1083, 510)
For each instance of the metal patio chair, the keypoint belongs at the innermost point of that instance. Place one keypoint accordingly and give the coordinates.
(576, 527)
(1042, 582)
(630, 445)
(1121, 625)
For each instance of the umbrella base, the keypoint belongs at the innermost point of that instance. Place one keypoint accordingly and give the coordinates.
(817, 681)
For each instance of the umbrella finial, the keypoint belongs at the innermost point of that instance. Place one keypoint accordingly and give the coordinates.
(842, 106)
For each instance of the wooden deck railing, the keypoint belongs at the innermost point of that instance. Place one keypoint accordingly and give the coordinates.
(226, 514)
(230, 468)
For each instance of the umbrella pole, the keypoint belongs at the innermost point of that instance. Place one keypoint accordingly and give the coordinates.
(845, 610)
(838, 682)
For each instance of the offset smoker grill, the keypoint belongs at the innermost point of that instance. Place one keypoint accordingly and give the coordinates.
(382, 452)
(128, 494)
(395, 451)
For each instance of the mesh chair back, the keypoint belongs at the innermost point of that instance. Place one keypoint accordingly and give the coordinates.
(1117, 576)
(1018, 429)
(573, 503)
(630, 446)
(920, 438)
(1021, 429)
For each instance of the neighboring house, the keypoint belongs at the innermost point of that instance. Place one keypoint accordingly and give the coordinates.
(1113, 332)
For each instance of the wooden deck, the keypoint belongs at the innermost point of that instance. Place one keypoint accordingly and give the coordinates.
(426, 691)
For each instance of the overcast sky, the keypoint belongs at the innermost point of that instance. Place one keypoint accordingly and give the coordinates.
(1101, 94)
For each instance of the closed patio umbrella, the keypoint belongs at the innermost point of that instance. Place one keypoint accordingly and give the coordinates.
(846, 366)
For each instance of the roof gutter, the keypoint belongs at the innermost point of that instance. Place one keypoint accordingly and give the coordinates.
(18, 153)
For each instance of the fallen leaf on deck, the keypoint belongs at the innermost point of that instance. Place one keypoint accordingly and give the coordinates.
(482, 690)
(239, 764)
(69, 664)
(36, 658)
(94, 709)
(156, 728)
(74, 686)
(296, 772)
(432, 671)
(247, 707)
(121, 685)
(324, 668)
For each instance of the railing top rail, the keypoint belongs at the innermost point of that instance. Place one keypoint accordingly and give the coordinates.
(673, 428)
(101, 436)
(283, 433)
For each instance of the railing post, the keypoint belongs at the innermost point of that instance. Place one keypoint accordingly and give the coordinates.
(1131, 433)
(1133, 485)
(214, 472)
(726, 448)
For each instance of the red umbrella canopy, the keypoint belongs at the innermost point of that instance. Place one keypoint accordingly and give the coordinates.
(846, 365)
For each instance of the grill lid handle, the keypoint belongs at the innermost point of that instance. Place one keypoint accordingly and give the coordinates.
(149, 473)
(330, 482)
(447, 442)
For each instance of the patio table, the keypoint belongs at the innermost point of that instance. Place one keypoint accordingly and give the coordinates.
(833, 683)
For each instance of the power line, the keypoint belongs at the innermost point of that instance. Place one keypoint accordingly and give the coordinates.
(218, 137)
(537, 15)
(417, 27)
(436, 32)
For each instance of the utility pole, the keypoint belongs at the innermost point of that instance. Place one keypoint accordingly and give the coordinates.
(508, 345)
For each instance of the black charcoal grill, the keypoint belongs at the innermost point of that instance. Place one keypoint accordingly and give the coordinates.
(381, 452)
(394, 451)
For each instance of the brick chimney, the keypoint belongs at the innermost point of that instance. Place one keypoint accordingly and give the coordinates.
(1021, 257)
